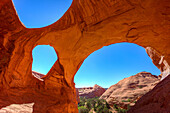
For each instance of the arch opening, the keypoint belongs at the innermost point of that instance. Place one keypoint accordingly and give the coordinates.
(44, 57)
(116, 59)
(126, 65)
(40, 13)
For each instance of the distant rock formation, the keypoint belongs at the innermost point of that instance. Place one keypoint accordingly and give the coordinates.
(130, 89)
(37, 75)
(91, 92)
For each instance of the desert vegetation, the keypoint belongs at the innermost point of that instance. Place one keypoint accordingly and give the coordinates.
(96, 105)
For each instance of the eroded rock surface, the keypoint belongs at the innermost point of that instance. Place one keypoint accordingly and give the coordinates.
(159, 61)
(155, 101)
(87, 26)
(91, 92)
(18, 108)
(130, 89)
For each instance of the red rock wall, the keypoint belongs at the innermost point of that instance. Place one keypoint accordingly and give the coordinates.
(87, 26)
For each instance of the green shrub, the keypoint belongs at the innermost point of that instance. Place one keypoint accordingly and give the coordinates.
(129, 100)
(89, 106)
(140, 86)
(126, 100)
(99, 109)
(81, 104)
(120, 110)
(83, 109)
(99, 103)
(96, 104)
(105, 110)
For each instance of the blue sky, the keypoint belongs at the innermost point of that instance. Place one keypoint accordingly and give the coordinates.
(44, 56)
(40, 13)
(104, 67)
(111, 64)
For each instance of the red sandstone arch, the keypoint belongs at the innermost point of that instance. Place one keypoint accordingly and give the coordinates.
(39, 75)
(87, 26)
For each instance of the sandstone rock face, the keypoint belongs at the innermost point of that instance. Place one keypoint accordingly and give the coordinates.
(130, 89)
(91, 92)
(77, 95)
(155, 101)
(18, 108)
(159, 61)
(87, 26)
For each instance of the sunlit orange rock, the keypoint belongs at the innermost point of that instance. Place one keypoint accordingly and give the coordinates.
(87, 26)
(130, 89)
(159, 61)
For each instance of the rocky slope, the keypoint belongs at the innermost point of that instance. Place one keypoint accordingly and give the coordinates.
(155, 101)
(130, 89)
(91, 92)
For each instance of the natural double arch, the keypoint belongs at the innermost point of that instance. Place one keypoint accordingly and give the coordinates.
(87, 26)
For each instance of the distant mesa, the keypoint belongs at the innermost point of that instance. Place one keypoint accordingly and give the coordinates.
(38, 75)
(91, 92)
